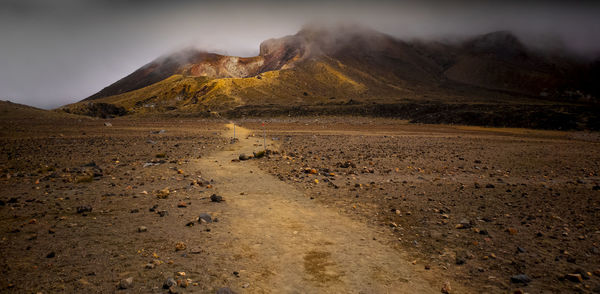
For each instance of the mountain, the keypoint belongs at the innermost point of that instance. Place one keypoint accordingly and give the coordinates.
(10, 111)
(348, 65)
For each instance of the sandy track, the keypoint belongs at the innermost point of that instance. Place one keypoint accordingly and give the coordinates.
(283, 242)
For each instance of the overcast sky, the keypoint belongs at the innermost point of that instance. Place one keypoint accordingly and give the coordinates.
(54, 52)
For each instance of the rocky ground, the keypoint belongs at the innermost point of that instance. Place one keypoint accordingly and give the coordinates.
(102, 205)
(497, 209)
(86, 205)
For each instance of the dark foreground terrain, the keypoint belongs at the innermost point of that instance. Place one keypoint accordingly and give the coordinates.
(84, 206)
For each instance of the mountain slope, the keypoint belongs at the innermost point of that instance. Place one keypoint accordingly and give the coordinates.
(347, 64)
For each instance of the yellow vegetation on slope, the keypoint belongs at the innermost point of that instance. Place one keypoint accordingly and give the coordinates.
(309, 83)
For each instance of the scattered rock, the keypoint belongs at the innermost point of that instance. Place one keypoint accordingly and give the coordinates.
(522, 278)
(170, 282)
(126, 283)
(163, 194)
(84, 208)
(585, 275)
(575, 278)
(464, 224)
(259, 154)
(446, 289)
(142, 229)
(205, 218)
(216, 198)
(179, 246)
(184, 283)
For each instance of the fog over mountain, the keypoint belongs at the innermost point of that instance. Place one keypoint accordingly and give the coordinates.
(58, 52)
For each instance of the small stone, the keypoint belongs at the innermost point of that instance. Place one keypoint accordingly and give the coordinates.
(245, 285)
(126, 283)
(216, 198)
(464, 224)
(84, 208)
(163, 213)
(489, 186)
(182, 204)
(142, 229)
(522, 278)
(179, 246)
(150, 266)
(511, 231)
(170, 282)
(51, 255)
(183, 283)
(205, 218)
(446, 289)
(243, 157)
(163, 194)
(173, 290)
(575, 278)
(585, 275)
(107, 124)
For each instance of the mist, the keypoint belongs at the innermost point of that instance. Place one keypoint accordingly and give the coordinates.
(58, 52)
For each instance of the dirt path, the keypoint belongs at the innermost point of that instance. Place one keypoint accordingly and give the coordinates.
(283, 242)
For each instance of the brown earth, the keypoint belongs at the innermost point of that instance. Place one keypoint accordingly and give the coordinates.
(357, 231)
(481, 204)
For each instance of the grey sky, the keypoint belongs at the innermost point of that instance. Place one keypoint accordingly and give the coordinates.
(61, 51)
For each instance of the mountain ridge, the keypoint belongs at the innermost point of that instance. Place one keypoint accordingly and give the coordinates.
(334, 66)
